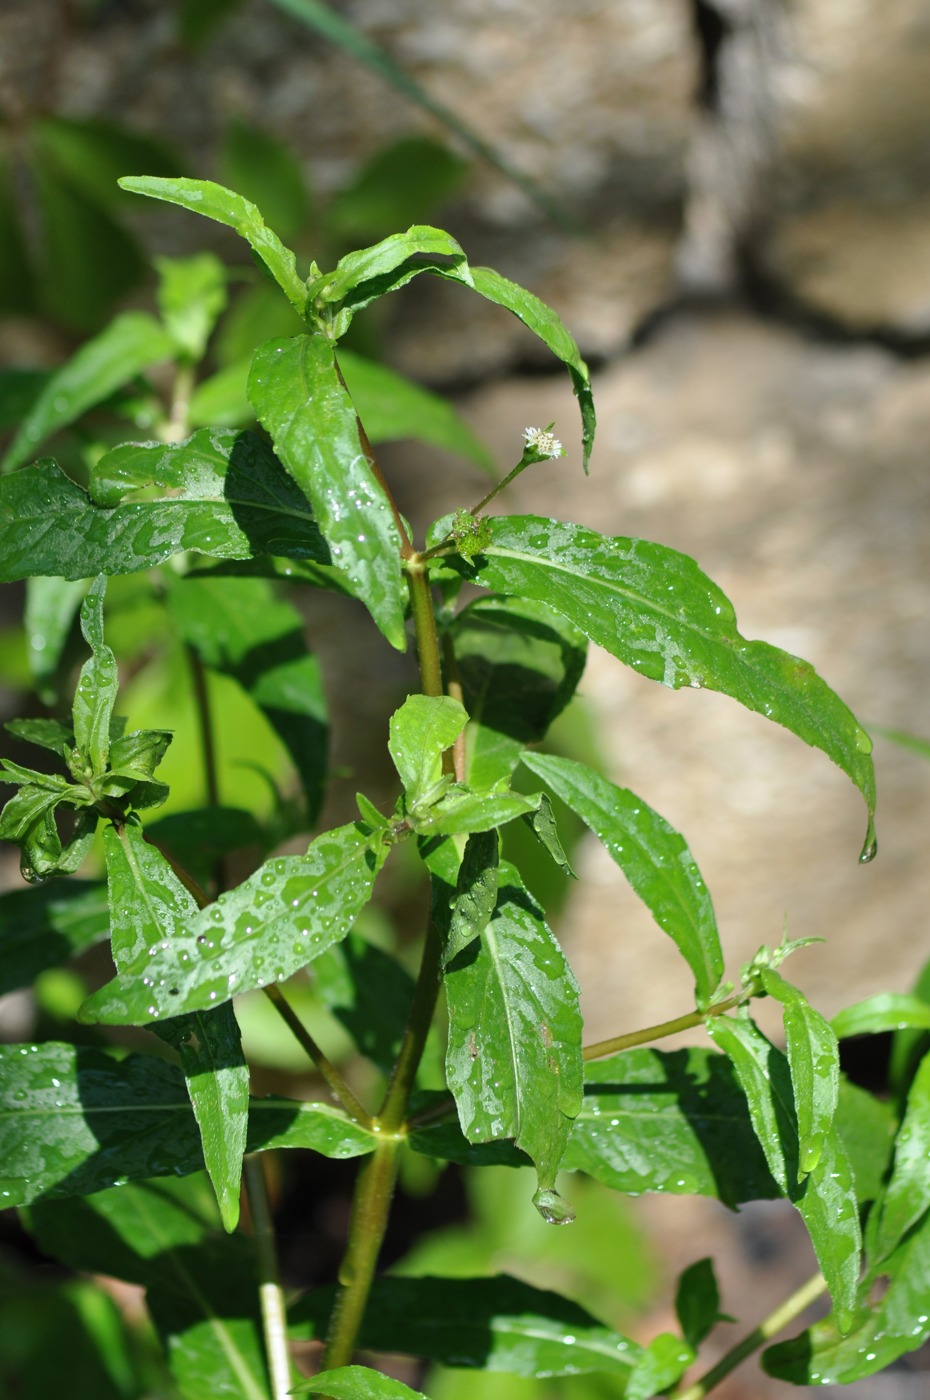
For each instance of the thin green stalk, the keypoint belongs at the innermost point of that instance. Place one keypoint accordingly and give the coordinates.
(327, 1069)
(657, 1032)
(424, 623)
(374, 1189)
(271, 1294)
(786, 1312)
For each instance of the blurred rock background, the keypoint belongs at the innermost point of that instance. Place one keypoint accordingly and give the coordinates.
(742, 249)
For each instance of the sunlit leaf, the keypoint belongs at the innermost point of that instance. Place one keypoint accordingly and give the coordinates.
(664, 1361)
(357, 1383)
(298, 395)
(813, 1058)
(97, 685)
(886, 1011)
(420, 732)
(191, 296)
(907, 1195)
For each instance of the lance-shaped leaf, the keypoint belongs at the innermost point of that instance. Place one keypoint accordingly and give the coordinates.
(74, 1121)
(216, 202)
(907, 1194)
(473, 903)
(459, 810)
(199, 839)
(544, 323)
(514, 1055)
(45, 927)
(97, 686)
(420, 732)
(270, 926)
(48, 734)
(886, 1011)
(653, 856)
(240, 628)
(50, 607)
(697, 1301)
(357, 1383)
(491, 1324)
(229, 498)
(673, 1121)
(298, 395)
(653, 609)
(369, 993)
(149, 909)
(826, 1200)
(814, 1061)
(393, 408)
(519, 663)
(361, 277)
(886, 1324)
(201, 1286)
(130, 343)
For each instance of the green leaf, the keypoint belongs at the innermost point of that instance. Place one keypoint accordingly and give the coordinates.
(17, 281)
(392, 408)
(222, 400)
(475, 898)
(546, 325)
(74, 1121)
(361, 277)
(905, 739)
(673, 1121)
(814, 1061)
(201, 1286)
(514, 1055)
(653, 856)
(886, 1011)
(520, 663)
(297, 394)
(265, 171)
(420, 732)
(886, 1325)
(199, 839)
(240, 628)
(48, 734)
(357, 1383)
(19, 388)
(543, 826)
(149, 908)
(826, 1200)
(369, 993)
(270, 926)
(399, 185)
(653, 609)
(93, 154)
(907, 1194)
(664, 1361)
(130, 343)
(191, 297)
(45, 927)
(229, 498)
(490, 1324)
(50, 607)
(459, 810)
(697, 1301)
(97, 685)
(215, 202)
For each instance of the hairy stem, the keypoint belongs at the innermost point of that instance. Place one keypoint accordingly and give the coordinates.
(271, 1295)
(786, 1312)
(657, 1032)
(327, 1069)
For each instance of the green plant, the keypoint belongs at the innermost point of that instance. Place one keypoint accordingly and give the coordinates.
(94, 1138)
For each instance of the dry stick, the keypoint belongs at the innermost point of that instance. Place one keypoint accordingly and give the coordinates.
(786, 1312)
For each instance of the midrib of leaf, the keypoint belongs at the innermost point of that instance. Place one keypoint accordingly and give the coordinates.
(494, 950)
(229, 1348)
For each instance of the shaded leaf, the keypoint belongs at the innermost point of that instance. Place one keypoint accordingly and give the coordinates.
(907, 1195)
(514, 1055)
(17, 283)
(653, 609)
(48, 734)
(519, 663)
(74, 1121)
(94, 153)
(264, 170)
(298, 395)
(45, 927)
(475, 898)
(867, 1127)
(229, 498)
(240, 628)
(270, 926)
(130, 343)
(697, 1301)
(653, 856)
(199, 839)
(492, 1324)
(396, 186)
(826, 1200)
(369, 993)
(215, 202)
(51, 604)
(191, 296)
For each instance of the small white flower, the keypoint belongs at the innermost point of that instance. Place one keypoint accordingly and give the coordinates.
(543, 441)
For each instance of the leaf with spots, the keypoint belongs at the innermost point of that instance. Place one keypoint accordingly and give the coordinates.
(514, 1056)
(149, 908)
(656, 611)
(270, 926)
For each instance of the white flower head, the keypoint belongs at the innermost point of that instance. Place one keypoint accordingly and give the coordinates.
(542, 441)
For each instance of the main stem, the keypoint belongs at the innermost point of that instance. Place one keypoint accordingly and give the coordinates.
(374, 1187)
